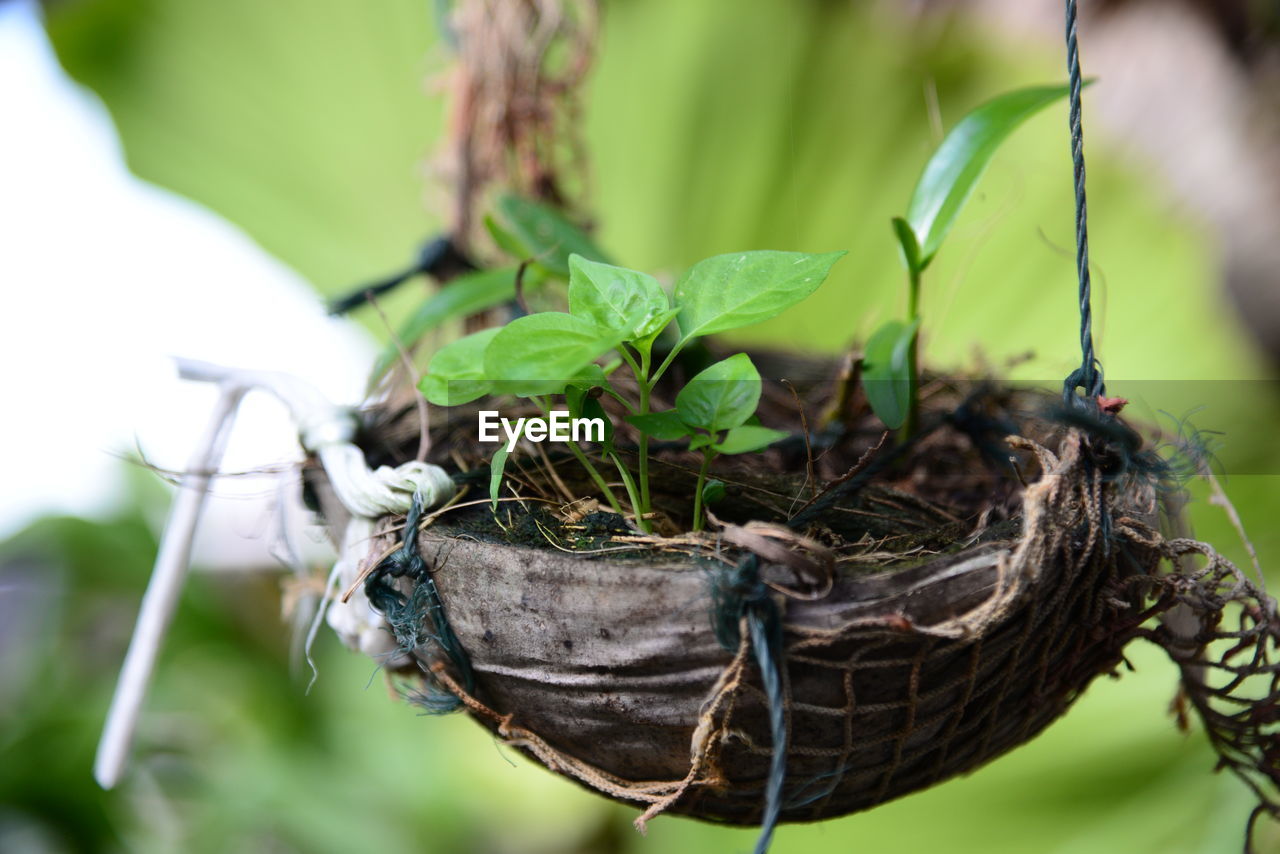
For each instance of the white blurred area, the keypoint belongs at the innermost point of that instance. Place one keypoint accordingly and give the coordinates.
(104, 278)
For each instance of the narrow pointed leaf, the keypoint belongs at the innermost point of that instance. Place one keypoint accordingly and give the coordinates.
(908, 244)
(954, 170)
(497, 466)
(461, 297)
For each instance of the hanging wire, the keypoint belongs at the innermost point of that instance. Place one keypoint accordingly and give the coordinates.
(1088, 377)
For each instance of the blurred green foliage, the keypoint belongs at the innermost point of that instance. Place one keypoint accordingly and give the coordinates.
(714, 126)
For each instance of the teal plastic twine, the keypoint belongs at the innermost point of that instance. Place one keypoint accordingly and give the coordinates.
(1088, 377)
(739, 593)
(412, 618)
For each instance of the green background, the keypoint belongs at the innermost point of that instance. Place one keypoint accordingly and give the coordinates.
(713, 126)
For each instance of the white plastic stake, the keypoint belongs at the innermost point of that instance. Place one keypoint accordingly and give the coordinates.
(161, 598)
(328, 432)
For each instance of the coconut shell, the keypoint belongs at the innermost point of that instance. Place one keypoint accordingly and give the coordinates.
(610, 672)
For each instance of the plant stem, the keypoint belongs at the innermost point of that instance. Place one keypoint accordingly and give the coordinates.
(913, 294)
(666, 363)
(595, 476)
(646, 388)
(631, 362)
(544, 404)
(625, 403)
(913, 359)
(639, 501)
(698, 520)
(630, 484)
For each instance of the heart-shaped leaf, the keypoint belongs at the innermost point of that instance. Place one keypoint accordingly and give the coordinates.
(615, 297)
(729, 291)
(721, 397)
(542, 353)
(886, 371)
(456, 374)
(951, 174)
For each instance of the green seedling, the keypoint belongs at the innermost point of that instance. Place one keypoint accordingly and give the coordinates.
(891, 362)
(464, 296)
(613, 310)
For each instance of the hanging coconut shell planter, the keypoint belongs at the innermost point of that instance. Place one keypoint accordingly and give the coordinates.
(743, 587)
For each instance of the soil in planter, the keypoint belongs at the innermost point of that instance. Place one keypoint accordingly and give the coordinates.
(875, 503)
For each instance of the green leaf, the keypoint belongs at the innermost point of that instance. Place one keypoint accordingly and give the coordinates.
(701, 440)
(574, 397)
(581, 405)
(589, 377)
(615, 297)
(593, 408)
(729, 291)
(908, 244)
(497, 466)
(650, 331)
(886, 371)
(954, 170)
(747, 438)
(542, 353)
(456, 374)
(664, 426)
(721, 397)
(712, 492)
(506, 241)
(545, 234)
(461, 297)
